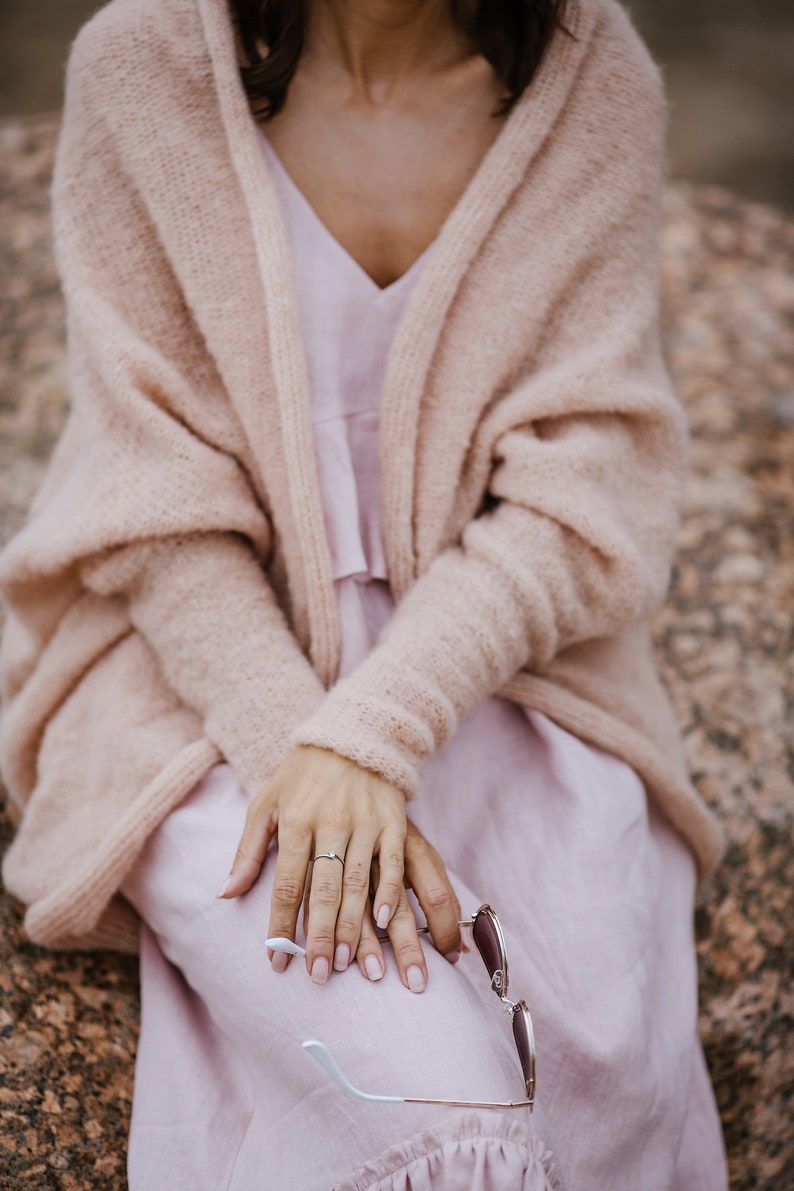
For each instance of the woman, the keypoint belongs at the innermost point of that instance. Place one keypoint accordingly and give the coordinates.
(367, 495)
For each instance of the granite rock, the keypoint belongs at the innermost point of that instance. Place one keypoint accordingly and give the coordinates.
(68, 1021)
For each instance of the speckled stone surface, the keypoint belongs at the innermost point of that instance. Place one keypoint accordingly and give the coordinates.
(68, 1021)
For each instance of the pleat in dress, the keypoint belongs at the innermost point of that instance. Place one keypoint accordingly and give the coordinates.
(594, 890)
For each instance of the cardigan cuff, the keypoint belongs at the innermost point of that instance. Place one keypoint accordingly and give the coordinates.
(355, 741)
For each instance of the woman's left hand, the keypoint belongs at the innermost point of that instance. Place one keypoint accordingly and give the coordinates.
(318, 802)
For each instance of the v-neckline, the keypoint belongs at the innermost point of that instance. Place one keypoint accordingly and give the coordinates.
(501, 169)
(356, 269)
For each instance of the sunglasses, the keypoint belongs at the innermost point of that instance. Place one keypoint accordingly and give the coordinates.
(488, 938)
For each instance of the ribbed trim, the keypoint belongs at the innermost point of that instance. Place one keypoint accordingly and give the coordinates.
(286, 339)
(71, 912)
(502, 168)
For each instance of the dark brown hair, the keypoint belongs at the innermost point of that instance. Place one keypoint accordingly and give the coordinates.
(510, 34)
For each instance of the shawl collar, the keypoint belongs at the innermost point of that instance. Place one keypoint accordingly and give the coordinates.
(500, 171)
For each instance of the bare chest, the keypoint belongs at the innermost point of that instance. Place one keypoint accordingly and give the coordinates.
(383, 180)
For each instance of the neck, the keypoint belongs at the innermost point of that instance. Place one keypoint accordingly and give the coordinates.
(378, 43)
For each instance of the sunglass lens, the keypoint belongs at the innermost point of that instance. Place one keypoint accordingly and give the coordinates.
(525, 1045)
(487, 941)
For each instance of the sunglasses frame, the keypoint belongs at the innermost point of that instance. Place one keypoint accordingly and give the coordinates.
(499, 983)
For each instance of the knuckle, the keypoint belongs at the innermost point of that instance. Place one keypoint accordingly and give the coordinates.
(346, 926)
(437, 897)
(356, 880)
(406, 950)
(322, 940)
(325, 892)
(287, 891)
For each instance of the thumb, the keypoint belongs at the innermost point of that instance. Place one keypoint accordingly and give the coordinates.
(261, 824)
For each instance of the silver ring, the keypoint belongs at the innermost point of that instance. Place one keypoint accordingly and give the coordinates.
(329, 856)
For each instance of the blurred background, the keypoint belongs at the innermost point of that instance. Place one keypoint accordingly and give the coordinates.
(728, 64)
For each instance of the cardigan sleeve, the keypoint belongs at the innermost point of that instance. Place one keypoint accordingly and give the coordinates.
(222, 641)
(148, 499)
(588, 447)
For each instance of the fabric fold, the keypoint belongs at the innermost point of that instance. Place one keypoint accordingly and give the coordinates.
(471, 1155)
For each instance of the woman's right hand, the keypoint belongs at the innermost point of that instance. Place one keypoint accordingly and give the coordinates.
(426, 875)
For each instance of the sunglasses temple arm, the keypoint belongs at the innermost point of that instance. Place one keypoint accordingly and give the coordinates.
(287, 945)
(284, 945)
(425, 930)
(472, 1103)
(320, 1052)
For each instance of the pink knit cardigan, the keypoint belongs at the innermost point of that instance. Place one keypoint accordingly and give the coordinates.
(170, 599)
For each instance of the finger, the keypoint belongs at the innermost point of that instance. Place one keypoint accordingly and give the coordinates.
(426, 874)
(261, 823)
(369, 954)
(305, 904)
(325, 898)
(391, 869)
(289, 880)
(355, 904)
(408, 952)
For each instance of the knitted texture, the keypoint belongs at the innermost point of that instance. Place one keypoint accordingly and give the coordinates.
(170, 598)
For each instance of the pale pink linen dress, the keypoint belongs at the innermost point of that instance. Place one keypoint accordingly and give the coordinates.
(593, 888)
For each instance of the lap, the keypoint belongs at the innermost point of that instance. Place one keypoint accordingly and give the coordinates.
(595, 893)
(386, 1039)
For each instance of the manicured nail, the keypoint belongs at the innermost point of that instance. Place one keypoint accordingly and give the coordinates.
(373, 967)
(341, 957)
(416, 979)
(452, 957)
(384, 914)
(320, 970)
(224, 889)
(279, 961)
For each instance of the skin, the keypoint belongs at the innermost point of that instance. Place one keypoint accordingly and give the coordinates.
(386, 120)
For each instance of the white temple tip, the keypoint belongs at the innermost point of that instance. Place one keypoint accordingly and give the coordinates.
(285, 945)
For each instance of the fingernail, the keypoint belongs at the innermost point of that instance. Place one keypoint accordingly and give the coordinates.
(373, 967)
(452, 957)
(224, 889)
(384, 914)
(416, 979)
(279, 961)
(320, 970)
(341, 957)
